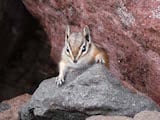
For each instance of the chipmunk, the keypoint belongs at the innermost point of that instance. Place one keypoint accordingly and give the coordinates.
(79, 51)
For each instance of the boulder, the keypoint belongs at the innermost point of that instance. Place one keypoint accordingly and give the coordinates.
(101, 117)
(144, 115)
(85, 92)
(127, 29)
(147, 115)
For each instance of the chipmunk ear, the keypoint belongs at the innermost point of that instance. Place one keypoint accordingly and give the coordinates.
(86, 33)
(67, 33)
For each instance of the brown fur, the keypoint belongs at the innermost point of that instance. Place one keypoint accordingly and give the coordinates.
(102, 52)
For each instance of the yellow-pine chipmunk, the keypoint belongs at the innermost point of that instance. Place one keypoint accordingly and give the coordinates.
(79, 51)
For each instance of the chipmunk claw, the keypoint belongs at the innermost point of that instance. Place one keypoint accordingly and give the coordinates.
(59, 81)
(100, 59)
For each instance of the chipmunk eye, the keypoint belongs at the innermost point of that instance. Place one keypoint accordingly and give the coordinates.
(84, 48)
(67, 50)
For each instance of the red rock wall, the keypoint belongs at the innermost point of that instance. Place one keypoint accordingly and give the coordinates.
(129, 30)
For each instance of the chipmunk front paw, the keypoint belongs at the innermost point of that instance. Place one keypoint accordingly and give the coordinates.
(59, 80)
(100, 59)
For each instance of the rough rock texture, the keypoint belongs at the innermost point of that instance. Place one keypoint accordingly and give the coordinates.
(84, 94)
(101, 117)
(24, 51)
(15, 103)
(144, 115)
(127, 29)
(4, 106)
(147, 115)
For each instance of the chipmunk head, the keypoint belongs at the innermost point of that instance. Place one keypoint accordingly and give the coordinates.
(77, 44)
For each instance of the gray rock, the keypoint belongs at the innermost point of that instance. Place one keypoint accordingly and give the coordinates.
(4, 106)
(85, 93)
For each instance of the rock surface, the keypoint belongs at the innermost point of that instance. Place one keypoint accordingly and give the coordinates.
(101, 117)
(144, 115)
(147, 115)
(84, 93)
(11, 113)
(4, 106)
(127, 29)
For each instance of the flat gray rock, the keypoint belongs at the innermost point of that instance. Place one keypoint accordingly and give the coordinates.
(85, 92)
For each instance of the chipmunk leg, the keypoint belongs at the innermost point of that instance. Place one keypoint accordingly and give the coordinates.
(62, 71)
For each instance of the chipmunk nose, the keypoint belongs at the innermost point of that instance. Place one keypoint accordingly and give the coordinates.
(75, 61)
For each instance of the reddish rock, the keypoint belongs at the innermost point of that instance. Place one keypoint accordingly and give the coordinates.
(101, 117)
(147, 115)
(144, 115)
(128, 30)
(15, 103)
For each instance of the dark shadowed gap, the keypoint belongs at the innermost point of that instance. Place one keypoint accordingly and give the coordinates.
(24, 51)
